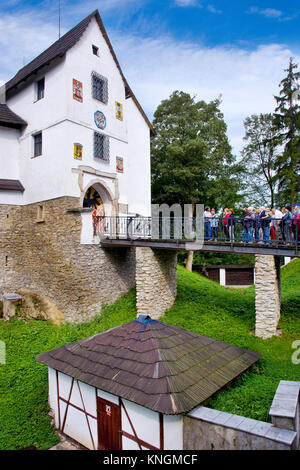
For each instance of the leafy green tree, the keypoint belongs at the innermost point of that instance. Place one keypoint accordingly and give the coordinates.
(287, 120)
(259, 158)
(191, 158)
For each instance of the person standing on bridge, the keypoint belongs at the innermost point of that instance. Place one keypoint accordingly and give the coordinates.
(214, 222)
(265, 219)
(287, 225)
(296, 222)
(249, 221)
(245, 225)
(207, 225)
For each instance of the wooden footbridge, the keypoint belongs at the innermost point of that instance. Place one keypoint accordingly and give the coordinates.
(189, 234)
(157, 241)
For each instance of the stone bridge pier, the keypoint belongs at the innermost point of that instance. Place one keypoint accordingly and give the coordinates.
(267, 295)
(156, 280)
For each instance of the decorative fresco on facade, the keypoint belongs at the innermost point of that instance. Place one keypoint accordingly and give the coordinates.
(119, 165)
(77, 91)
(78, 151)
(100, 119)
(119, 111)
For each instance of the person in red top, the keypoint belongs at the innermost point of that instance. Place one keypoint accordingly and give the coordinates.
(226, 223)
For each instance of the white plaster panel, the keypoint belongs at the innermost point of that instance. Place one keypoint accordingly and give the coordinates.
(173, 432)
(89, 398)
(65, 382)
(75, 396)
(145, 423)
(128, 444)
(108, 396)
(11, 197)
(76, 427)
(9, 153)
(53, 393)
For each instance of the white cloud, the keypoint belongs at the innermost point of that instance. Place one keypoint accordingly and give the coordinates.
(212, 9)
(22, 38)
(155, 67)
(247, 80)
(186, 3)
(271, 13)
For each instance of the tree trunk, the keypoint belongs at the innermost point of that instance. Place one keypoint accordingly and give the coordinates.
(189, 261)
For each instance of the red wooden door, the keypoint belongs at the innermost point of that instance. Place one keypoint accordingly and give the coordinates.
(109, 425)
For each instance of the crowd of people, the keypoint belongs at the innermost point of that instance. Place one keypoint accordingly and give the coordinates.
(258, 225)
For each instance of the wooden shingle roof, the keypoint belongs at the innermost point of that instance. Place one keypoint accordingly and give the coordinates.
(11, 185)
(60, 47)
(162, 367)
(10, 119)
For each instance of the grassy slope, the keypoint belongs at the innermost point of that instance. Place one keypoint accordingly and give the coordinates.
(228, 315)
(202, 306)
(24, 409)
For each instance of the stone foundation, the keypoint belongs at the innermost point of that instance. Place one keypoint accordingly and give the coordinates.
(156, 281)
(267, 299)
(40, 251)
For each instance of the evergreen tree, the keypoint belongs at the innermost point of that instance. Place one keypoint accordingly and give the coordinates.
(287, 120)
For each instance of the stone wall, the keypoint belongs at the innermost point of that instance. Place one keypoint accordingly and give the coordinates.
(267, 298)
(156, 281)
(209, 429)
(42, 253)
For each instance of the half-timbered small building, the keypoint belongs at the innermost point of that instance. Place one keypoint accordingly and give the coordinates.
(129, 387)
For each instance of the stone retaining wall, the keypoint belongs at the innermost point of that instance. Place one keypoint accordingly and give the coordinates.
(46, 257)
(209, 429)
(156, 281)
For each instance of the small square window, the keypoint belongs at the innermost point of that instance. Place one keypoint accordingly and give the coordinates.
(101, 146)
(40, 89)
(95, 50)
(99, 88)
(38, 144)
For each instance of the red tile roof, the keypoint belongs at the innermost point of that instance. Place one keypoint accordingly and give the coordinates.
(156, 365)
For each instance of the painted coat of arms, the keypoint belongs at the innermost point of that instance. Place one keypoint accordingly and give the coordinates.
(100, 119)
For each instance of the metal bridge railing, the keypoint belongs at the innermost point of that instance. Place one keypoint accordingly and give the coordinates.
(190, 228)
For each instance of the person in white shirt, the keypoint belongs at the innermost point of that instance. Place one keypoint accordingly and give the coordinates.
(276, 222)
(207, 225)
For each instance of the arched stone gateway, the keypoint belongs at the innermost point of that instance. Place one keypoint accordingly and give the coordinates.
(98, 198)
(97, 194)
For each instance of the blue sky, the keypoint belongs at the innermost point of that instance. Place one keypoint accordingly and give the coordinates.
(238, 49)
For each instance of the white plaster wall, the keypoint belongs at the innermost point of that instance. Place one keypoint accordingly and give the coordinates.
(11, 197)
(173, 432)
(108, 396)
(76, 425)
(9, 153)
(53, 393)
(145, 423)
(138, 165)
(64, 121)
(52, 108)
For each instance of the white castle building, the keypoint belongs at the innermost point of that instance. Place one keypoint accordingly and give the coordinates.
(73, 138)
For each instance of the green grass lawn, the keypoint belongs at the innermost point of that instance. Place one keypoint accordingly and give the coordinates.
(201, 306)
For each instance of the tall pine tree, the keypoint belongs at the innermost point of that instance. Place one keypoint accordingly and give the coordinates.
(287, 121)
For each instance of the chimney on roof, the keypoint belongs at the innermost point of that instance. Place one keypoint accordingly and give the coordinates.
(3, 94)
